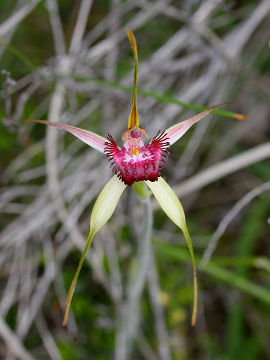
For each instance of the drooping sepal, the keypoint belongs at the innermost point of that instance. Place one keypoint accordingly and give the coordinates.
(171, 205)
(106, 203)
(102, 211)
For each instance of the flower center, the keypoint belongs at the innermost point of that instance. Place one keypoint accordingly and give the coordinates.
(133, 140)
(134, 161)
(135, 151)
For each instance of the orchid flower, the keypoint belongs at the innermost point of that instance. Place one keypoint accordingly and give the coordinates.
(131, 164)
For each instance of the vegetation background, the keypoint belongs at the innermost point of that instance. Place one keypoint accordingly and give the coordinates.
(201, 52)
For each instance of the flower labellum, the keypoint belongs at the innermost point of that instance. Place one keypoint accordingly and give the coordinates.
(134, 162)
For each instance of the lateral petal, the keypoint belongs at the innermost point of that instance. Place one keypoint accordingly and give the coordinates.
(102, 211)
(90, 138)
(175, 132)
(172, 207)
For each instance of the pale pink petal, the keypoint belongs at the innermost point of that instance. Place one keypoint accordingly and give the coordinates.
(90, 138)
(175, 132)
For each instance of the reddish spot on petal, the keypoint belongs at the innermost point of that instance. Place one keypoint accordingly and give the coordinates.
(146, 165)
(135, 133)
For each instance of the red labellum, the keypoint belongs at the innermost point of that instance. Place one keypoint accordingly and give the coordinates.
(134, 161)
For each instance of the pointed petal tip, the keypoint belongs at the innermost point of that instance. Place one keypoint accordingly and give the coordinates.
(175, 132)
(70, 293)
(132, 41)
(240, 116)
(195, 304)
(88, 137)
(236, 116)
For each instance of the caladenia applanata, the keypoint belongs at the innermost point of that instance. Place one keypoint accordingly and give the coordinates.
(134, 164)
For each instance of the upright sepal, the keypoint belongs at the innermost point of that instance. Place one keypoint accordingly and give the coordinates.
(102, 211)
(90, 138)
(175, 132)
(171, 205)
(133, 119)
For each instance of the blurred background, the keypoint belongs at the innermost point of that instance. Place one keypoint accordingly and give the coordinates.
(70, 61)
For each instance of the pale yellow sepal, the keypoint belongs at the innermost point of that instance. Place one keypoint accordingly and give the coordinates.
(102, 211)
(171, 205)
(106, 203)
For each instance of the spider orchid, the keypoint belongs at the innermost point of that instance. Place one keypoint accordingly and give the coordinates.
(132, 164)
